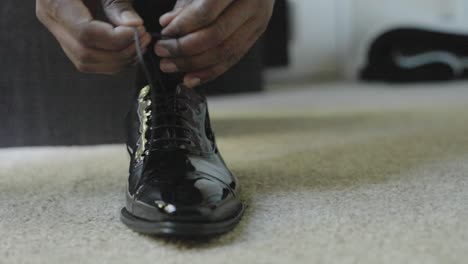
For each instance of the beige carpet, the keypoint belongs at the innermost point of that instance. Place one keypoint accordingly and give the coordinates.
(331, 174)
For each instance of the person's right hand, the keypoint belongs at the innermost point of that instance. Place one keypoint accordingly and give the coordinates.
(94, 46)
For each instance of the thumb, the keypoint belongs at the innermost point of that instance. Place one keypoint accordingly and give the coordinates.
(121, 13)
(167, 18)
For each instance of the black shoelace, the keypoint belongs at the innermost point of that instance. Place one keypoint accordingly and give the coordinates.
(166, 116)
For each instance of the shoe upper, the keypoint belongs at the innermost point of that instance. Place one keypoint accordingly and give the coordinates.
(176, 170)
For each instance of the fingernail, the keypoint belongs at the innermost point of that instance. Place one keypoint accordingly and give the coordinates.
(161, 51)
(192, 82)
(168, 66)
(168, 31)
(144, 42)
(147, 39)
(130, 17)
(141, 31)
(163, 19)
(166, 18)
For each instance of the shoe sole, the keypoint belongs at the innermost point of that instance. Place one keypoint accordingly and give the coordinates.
(179, 229)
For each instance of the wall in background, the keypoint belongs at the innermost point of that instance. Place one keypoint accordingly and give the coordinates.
(330, 37)
(313, 44)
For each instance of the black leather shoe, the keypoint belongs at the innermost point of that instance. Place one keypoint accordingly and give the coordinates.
(179, 184)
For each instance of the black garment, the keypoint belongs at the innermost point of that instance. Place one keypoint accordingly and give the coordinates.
(277, 36)
(413, 54)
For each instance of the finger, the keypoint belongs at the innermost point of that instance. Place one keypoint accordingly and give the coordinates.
(121, 13)
(102, 66)
(131, 52)
(85, 54)
(74, 16)
(125, 56)
(97, 61)
(192, 63)
(115, 66)
(167, 18)
(197, 14)
(233, 50)
(100, 35)
(182, 3)
(107, 69)
(207, 38)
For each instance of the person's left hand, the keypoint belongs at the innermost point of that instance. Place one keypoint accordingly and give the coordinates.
(205, 38)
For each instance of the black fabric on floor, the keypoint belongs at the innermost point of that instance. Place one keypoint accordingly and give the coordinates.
(413, 54)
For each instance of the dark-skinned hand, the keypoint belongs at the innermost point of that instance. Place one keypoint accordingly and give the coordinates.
(94, 46)
(205, 38)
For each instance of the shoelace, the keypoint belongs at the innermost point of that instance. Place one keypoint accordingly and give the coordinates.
(167, 108)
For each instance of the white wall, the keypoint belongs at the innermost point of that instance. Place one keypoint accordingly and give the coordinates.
(330, 35)
(313, 47)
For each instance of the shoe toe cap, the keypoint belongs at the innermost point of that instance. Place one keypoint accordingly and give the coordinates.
(199, 199)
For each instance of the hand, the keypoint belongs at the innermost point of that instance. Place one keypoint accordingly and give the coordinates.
(207, 37)
(94, 46)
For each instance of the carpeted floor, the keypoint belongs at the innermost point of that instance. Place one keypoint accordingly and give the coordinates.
(331, 174)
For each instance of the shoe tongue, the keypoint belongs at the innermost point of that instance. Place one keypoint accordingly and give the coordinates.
(168, 83)
(172, 86)
(150, 73)
(163, 83)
